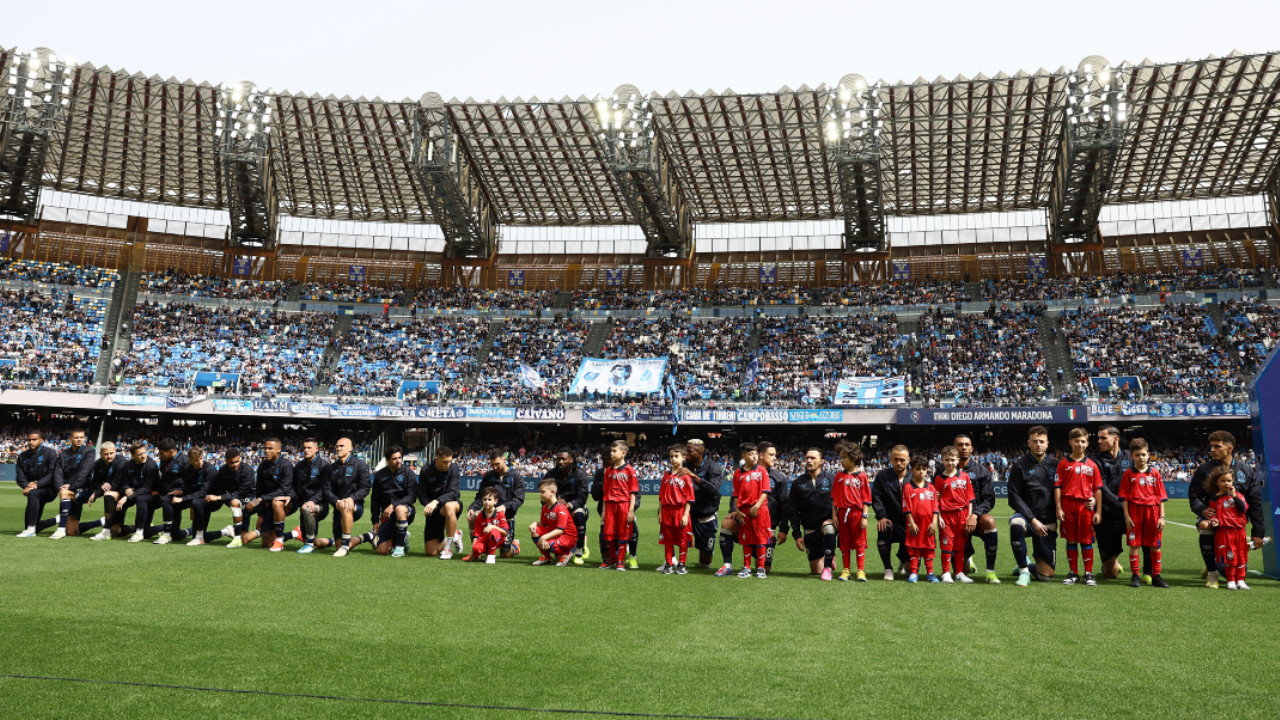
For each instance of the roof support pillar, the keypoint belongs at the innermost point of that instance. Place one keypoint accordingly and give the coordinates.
(853, 127)
(245, 151)
(37, 92)
(451, 184)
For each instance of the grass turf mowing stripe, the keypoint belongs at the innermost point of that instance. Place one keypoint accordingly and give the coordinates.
(387, 701)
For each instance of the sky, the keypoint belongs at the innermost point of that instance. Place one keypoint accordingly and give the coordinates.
(548, 49)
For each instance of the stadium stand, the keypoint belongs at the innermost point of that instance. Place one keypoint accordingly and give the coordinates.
(176, 282)
(1252, 328)
(49, 341)
(55, 273)
(1112, 286)
(379, 353)
(989, 359)
(351, 293)
(898, 292)
(551, 347)
(466, 298)
(803, 359)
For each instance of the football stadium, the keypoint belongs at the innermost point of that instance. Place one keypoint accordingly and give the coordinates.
(637, 402)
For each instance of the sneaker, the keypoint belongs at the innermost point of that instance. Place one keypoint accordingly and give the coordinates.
(164, 539)
(745, 572)
(845, 575)
(29, 532)
(586, 553)
(540, 562)
(992, 577)
(237, 541)
(1204, 573)
(1212, 582)
(621, 567)
(228, 531)
(564, 561)
(1146, 579)
(277, 545)
(1024, 579)
(681, 569)
(1071, 579)
(136, 536)
(103, 534)
(200, 541)
(490, 559)
(826, 574)
(633, 562)
(662, 568)
(1090, 580)
(1159, 582)
(295, 534)
(761, 573)
(888, 574)
(861, 577)
(471, 558)
(58, 534)
(725, 570)
(1240, 585)
(946, 578)
(971, 566)
(964, 579)
(913, 578)
(397, 551)
(578, 558)
(447, 552)
(457, 540)
(669, 570)
(341, 551)
(515, 548)
(1135, 581)
(1231, 584)
(901, 568)
(306, 549)
(932, 578)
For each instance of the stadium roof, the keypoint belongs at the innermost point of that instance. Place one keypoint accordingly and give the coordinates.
(1197, 128)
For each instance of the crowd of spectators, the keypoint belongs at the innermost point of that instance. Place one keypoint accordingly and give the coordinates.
(990, 359)
(49, 341)
(176, 282)
(1252, 328)
(686, 299)
(1174, 350)
(553, 348)
(1041, 287)
(380, 353)
(802, 359)
(56, 273)
(898, 292)
(479, 299)
(274, 352)
(351, 293)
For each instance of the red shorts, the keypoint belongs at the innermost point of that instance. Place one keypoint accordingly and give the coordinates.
(671, 528)
(849, 525)
(562, 545)
(923, 540)
(1231, 547)
(615, 524)
(1144, 532)
(1077, 521)
(954, 534)
(755, 530)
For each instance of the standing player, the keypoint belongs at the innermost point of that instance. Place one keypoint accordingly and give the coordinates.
(955, 503)
(706, 503)
(811, 511)
(75, 464)
(675, 496)
(172, 487)
(1077, 492)
(309, 480)
(555, 534)
(886, 501)
(851, 496)
(1222, 447)
(39, 479)
(984, 499)
(106, 482)
(1113, 461)
(1142, 490)
(920, 504)
(779, 501)
(347, 481)
(1031, 483)
(395, 493)
(510, 487)
(620, 488)
(276, 498)
(440, 491)
(572, 488)
(232, 486)
(751, 490)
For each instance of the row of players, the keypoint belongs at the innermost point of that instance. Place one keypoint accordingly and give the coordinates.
(1108, 495)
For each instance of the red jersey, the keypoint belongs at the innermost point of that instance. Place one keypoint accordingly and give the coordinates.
(620, 483)
(676, 490)
(955, 492)
(1078, 479)
(1228, 515)
(851, 490)
(920, 502)
(750, 485)
(498, 518)
(1142, 488)
(557, 517)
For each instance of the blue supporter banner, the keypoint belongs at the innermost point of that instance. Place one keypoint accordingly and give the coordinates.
(146, 400)
(353, 411)
(235, 406)
(515, 278)
(242, 266)
(619, 376)
(993, 416)
(271, 406)
(806, 416)
(356, 273)
(1193, 259)
(440, 413)
(491, 413)
(1172, 410)
(901, 270)
(540, 413)
(308, 408)
(870, 391)
(613, 278)
(655, 414)
(5, 239)
(181, 401)
(608, 414)
(768, 275)
(431, 386)
(1037, 265)
(762, 415)
(8, 362)
(205, 378)
(710, 415)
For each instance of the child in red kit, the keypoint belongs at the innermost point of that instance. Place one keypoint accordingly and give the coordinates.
(621, 486)
(555, 533)
(1142, 490)
(1078, 494)
(491, 529)
(850, 498)
(674, 496)
(920, 505)
(1229, 540)
(751, 489)
(955, 501)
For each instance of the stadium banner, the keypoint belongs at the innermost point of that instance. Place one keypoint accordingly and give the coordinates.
(308, 408)
(275, 407)
(147, 400)
(709, 415)
(608, 414)
(356, 273)
(993, 416)
(1123, 383)
(353, 411)
(396, 411)
(440, 413)
(613, 278)
(242, 266)
(1037, 265)
(539, 413)
(181, 401)
(870, 391)
(431, 386)
(1172, 409)
(515, 278)
(205, 378)
(8, 362)
(762, 415)
(491, 413)
(768, 275)
(1193, 259)
(4, 242)
(901, 270)
(235, 406)
(807, 416)
(621, 376)
(655, 414)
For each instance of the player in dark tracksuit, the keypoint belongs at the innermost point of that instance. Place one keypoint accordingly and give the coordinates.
(1112, 460)
(276, 499)
(141, 477)
(572, 486)
(347, 484)
(440, 492)
(813, 515)
(886, 502)
(779, 501)
(232, 485)
(1222, 445)
(395, 497)
(704, 512)
(75, 464)
(984, 499)
(175, 471)
(39, 478)
(1035, 512)
(106, 482)
(510, 497)
(309, 479)
(197, 477)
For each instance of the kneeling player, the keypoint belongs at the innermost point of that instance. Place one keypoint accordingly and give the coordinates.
(308, 486)
(275, 500)
(920, 505)
(1142, 492)
(1031, 499)
(490, 528)
(75, 465)
(439, 491)
(675, 495)
(851, 496)
(232, 485)
(395, 492)
(555, 533)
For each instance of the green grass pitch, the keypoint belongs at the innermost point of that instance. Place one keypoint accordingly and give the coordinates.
(421, 629)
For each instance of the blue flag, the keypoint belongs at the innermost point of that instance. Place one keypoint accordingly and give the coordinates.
(753, 367)
(674, 397)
